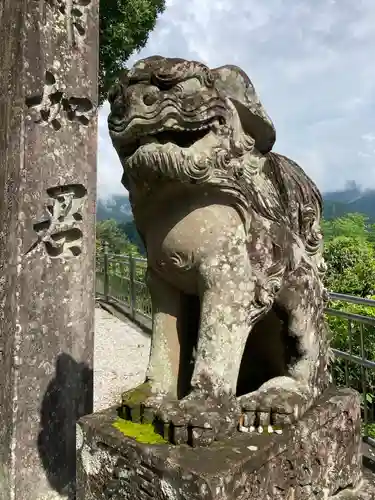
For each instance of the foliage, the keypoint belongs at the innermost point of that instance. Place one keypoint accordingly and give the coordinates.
(350, 255)
(108, 231)
(131, 232)
(351, 266)
(119, 209)
(351, 225)
(124, 29)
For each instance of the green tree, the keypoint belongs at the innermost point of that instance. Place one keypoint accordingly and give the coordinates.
(108, 231)
(351, 225)
(130, 229)
(371, 236)
(351, 266)
(124, 29)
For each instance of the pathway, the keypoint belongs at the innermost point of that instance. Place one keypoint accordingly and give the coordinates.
(120, 358)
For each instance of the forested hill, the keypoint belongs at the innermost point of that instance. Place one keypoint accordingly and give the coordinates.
(350, 200)
(336, 204)
(117, 208)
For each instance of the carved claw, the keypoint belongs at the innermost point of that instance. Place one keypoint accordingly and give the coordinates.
(271, 409)
(207, 418)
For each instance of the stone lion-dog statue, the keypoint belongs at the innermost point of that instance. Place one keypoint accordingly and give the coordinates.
(234, 250)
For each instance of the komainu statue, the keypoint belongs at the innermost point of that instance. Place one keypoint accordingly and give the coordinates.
(234, 254)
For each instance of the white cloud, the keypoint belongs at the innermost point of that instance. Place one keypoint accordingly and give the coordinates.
(109, 167)
(369, 137)
(311, 62)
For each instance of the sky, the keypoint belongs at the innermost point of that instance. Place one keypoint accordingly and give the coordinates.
(312, 65)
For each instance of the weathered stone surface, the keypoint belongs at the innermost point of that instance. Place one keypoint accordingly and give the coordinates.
(234, 251)
(365, 491)
(48, 94)
(316, 458)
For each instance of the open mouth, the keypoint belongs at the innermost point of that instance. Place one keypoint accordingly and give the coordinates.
(181, 137)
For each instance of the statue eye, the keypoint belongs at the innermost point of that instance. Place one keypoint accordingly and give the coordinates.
(150, 98)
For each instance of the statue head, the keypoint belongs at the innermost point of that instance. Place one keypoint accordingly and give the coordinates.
(179, 120)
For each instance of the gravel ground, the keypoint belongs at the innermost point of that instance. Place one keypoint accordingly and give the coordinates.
(120, 358)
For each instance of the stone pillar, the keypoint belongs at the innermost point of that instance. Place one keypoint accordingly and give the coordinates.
(48, 143)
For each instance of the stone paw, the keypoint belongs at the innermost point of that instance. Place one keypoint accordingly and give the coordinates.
(197, 420)
(269, 409)
(210, 418)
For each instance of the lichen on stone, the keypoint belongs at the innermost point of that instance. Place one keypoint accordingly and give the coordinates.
(142, 433)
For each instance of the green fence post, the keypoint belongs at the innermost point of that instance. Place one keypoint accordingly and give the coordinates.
(106, 273)
(132, 278)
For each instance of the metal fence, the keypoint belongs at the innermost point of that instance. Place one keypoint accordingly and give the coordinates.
(120, 279)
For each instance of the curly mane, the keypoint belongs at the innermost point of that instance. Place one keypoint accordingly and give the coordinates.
(296, 200)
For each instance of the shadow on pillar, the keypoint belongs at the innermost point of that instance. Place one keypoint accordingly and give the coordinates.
(68, 397)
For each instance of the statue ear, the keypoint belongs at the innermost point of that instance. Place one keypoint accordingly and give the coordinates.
(235, 84)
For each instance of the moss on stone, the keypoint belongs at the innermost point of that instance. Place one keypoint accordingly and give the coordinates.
(142, 433)
(136, 396)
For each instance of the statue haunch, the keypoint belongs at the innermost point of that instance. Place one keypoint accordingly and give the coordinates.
(234, 253)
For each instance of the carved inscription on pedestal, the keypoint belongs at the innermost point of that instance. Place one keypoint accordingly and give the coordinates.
(60, 230)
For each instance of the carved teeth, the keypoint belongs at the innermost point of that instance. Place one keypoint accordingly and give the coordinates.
(241, 428)
(150, 136)
(260, 429)
(170, 123)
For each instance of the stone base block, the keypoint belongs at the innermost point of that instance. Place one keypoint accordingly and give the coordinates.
(316, 459)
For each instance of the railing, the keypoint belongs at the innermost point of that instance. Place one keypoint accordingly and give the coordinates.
(120, 279)
(353, 345)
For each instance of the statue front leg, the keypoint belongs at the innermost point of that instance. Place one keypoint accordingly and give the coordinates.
(164, 359)
(162, 372)
(227, 299)
(222, 336)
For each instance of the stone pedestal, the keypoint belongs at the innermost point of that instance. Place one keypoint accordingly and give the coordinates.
(316, 459)
(48, 95)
